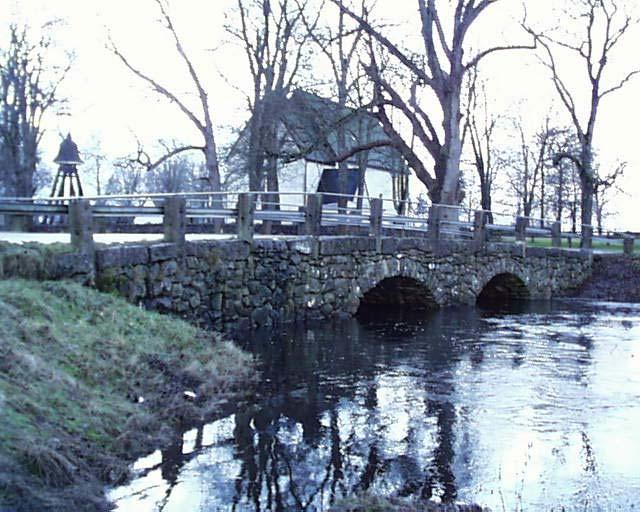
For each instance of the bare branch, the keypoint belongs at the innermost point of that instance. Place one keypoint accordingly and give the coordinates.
(476, 60)
(142, 158)
(393, 49)
(620, 84)
(346, 155)
(565, 155)
(192, 72)
(157, 87)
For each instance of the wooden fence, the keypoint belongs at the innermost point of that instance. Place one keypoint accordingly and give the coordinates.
(246, 213)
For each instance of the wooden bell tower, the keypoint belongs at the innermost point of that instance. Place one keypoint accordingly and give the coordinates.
(67, 178)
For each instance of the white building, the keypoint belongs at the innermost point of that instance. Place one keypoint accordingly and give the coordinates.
(308, 129)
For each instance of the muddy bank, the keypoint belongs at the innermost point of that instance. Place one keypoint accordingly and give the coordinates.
(615, 278)
(88, 383)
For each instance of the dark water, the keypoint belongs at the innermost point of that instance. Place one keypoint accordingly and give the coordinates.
(535, 409)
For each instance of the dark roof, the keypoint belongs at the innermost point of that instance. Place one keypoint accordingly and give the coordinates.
(311, 124)
(68, 153)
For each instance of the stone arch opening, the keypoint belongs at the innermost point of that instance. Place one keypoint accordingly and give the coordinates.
(403, 293)
(504, 288)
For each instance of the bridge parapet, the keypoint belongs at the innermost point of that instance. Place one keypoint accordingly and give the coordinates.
(232, 283)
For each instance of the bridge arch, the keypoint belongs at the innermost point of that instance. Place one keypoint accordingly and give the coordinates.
(396, 282)
(400, 291)
(505, 285)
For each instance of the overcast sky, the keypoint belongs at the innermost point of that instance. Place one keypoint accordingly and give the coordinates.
(108, 105)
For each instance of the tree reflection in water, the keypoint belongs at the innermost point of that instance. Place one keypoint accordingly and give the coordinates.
(350, 441)
(453, 405)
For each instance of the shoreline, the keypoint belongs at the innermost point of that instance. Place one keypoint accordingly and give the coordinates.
(614, 278)
(89, 383)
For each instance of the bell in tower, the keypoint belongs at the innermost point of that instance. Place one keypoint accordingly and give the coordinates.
(67, 177)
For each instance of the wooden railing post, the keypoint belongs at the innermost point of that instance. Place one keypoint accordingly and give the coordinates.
(628, 245)
(480, 228)
(245, 217)
(435, 214)
(586, 241)
(175, 219)
(521, 228)
(375, 222)
(556, 234)
(81, 226)
(313, 215)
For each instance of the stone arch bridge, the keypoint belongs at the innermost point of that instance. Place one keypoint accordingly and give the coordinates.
(234, 283)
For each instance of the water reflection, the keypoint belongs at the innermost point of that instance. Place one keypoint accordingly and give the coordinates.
(534, 408)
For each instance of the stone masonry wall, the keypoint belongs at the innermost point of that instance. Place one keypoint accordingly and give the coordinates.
(237, 284)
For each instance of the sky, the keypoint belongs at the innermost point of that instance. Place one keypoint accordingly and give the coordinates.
(109, 107)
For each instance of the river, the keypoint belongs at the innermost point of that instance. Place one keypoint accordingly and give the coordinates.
(529, 408)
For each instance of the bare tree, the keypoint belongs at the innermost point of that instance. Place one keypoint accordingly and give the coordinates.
(602, 189)
(441, 71)
(341, 44)
(559, 174)
(202, 119)
(529, 163)
(95, 159)
(127, 178)
(481, 129)
(29, 89)
(274, 40)
(604, 26)
(179, 174)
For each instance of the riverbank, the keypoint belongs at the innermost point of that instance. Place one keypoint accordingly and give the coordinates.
(89, 383)
(614, 278)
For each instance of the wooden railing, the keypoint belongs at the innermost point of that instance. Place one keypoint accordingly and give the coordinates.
(245, 213)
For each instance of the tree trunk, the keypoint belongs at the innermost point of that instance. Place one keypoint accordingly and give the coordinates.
(273, 184)
(363, 162)
(436, 191)
(599, 216)
(24, 188)
(542, 192)
(560, 196)
(587, 183)
(453, 143)
(341, 134)
(362, 169)
(485, 199)
(255, 157)
(213, 177)
(526, 210)
(213, 171)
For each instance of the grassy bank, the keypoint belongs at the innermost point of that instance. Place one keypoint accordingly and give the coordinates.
(89, 382)
(613, 246)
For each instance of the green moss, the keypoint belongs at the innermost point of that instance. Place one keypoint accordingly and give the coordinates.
(28, 260)
(35, 247)
(73, 364)
(111, 281)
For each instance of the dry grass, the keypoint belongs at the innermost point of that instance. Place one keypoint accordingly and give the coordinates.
(73, 366)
